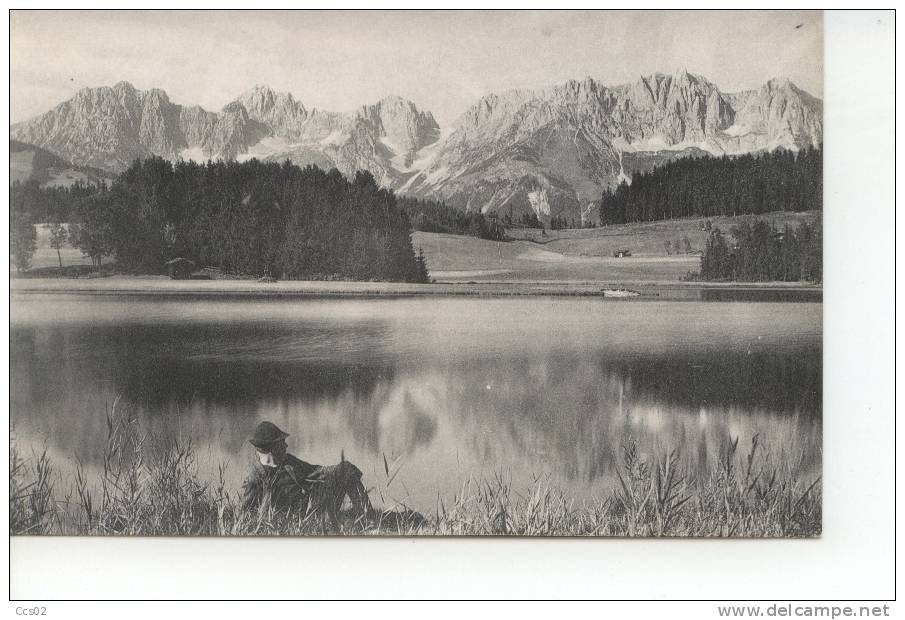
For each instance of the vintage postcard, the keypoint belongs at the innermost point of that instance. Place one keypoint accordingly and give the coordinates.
(467, 273)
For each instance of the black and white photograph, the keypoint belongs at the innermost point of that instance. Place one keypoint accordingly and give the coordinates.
(315, 308)
(416, 273)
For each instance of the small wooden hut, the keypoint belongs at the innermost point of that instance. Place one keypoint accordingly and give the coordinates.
(180, 268)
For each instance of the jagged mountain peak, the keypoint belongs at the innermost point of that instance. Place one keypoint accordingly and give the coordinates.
(494, 108)
(775, 85)
(551, 150)
(681, 74)
(157, 95)
(587, 82)
(121, 90)
(680, 79)
(235, 108)
(392, 104)
(584, 90)
(400, 125)
(784, 84)
(278, 113)
(263, 92)
(395, 101)
(779, 83)
(123, 85)
(259, 88)
(261, 100)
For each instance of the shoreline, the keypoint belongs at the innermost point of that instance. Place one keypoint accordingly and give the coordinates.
(737, 495)
(162, 286)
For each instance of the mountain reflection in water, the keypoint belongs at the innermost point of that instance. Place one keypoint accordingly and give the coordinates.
(450, 386)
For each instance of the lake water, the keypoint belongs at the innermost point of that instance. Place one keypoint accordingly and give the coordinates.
(442, 387)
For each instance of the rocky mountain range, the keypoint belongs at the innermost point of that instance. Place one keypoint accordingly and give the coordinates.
(550, 150)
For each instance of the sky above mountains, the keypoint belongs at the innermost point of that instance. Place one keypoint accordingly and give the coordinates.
(443, 61)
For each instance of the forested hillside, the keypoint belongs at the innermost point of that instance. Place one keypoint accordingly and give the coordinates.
(249, 218)
(433, 216)
(49, 204)
(711, 186)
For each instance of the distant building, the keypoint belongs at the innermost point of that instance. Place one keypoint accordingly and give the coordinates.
(180, 268)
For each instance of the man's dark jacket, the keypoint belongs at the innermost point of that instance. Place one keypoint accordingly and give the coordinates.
(287, 486)
(297, 487)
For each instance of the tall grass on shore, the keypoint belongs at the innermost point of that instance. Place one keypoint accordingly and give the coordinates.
(148, 488)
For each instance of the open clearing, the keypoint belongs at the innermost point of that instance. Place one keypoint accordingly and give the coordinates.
(45, 256)
(581, 255)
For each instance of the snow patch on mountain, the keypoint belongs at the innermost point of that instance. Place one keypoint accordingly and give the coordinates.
(539, 203)
(334, 138)
(400, 156)
(417, 182)
(656, 145)
(737, 130)
(195, 154)
(622, 177)
(427, 155)
(268, 147)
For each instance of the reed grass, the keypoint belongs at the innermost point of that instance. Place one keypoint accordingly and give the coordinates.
(154, 488)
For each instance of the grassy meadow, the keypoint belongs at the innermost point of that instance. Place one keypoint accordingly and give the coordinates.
(580, 255)
(45, 258)
(150, 488)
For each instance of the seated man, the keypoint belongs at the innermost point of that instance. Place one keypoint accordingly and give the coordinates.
(290, 485)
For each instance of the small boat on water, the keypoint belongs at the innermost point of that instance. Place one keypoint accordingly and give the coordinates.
(620, 293)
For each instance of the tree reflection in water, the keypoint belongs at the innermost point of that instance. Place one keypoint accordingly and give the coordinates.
(368, 389)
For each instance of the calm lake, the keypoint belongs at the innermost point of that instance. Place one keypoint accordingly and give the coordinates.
(443, 387)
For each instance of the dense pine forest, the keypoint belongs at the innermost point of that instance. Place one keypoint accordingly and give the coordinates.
(48, 204)
(758, 252)
(249, 218)
(432, 216)
(711, 186)
(56, 204)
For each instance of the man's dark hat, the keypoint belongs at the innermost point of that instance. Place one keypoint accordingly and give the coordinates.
(266, 434)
